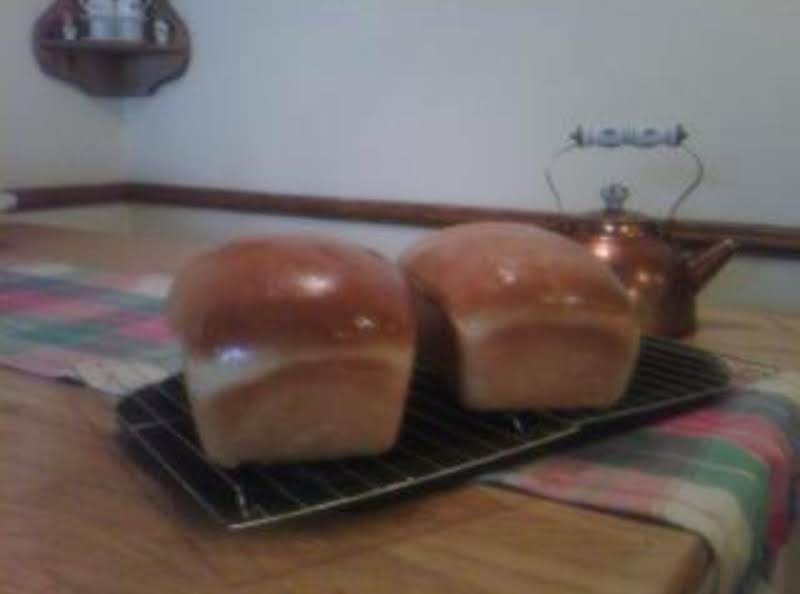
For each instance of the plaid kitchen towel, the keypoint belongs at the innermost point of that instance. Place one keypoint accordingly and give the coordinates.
(63, 321)
(725, 471)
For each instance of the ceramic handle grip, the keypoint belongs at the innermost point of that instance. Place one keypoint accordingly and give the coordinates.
(612, 137)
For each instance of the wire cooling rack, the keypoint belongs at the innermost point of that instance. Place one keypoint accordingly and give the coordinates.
(439, 440)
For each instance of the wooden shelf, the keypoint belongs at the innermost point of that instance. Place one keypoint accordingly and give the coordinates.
(111, 68)
(110, 46)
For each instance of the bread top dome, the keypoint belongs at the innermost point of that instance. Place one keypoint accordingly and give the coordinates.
(288, 291)
(480, 267)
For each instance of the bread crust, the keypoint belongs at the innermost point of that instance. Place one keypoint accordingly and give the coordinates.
(474, 267)
(290, 291)
(516, 317)
(297, 348)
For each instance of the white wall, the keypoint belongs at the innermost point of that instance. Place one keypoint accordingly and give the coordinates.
(464, 100)
(49, 133)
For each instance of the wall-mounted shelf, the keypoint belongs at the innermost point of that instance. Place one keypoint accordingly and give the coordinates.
(111, 68)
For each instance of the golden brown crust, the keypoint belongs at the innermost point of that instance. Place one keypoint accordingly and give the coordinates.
(290, 291)
(510, 265)
(515, 317)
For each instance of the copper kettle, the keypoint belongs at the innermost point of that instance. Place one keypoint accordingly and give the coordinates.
(660, 277)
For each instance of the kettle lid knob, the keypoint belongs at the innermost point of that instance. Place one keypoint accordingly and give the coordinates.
(615, 195)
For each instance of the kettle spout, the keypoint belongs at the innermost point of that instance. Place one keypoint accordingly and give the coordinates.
(706, 264)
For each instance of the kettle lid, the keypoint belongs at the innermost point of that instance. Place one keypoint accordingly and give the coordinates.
(614, 220)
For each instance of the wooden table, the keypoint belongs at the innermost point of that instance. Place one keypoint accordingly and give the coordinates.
(77, 516)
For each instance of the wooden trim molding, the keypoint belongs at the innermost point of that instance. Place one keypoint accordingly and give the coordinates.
(372, 211)
(754, 238)
(30, 199)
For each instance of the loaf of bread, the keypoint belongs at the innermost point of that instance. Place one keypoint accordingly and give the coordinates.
(516, 317)
(296, 348)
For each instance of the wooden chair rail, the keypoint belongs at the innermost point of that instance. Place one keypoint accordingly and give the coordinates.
(754, 238)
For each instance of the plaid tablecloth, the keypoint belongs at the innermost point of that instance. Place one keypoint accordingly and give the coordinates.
(59, 321)
(724, 471)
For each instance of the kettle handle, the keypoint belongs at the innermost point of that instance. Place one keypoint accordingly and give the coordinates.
(548, 173)
(700, 172)
(644, 139)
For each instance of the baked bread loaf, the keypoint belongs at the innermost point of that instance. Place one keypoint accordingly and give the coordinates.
(296, 348)
(516, 317)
